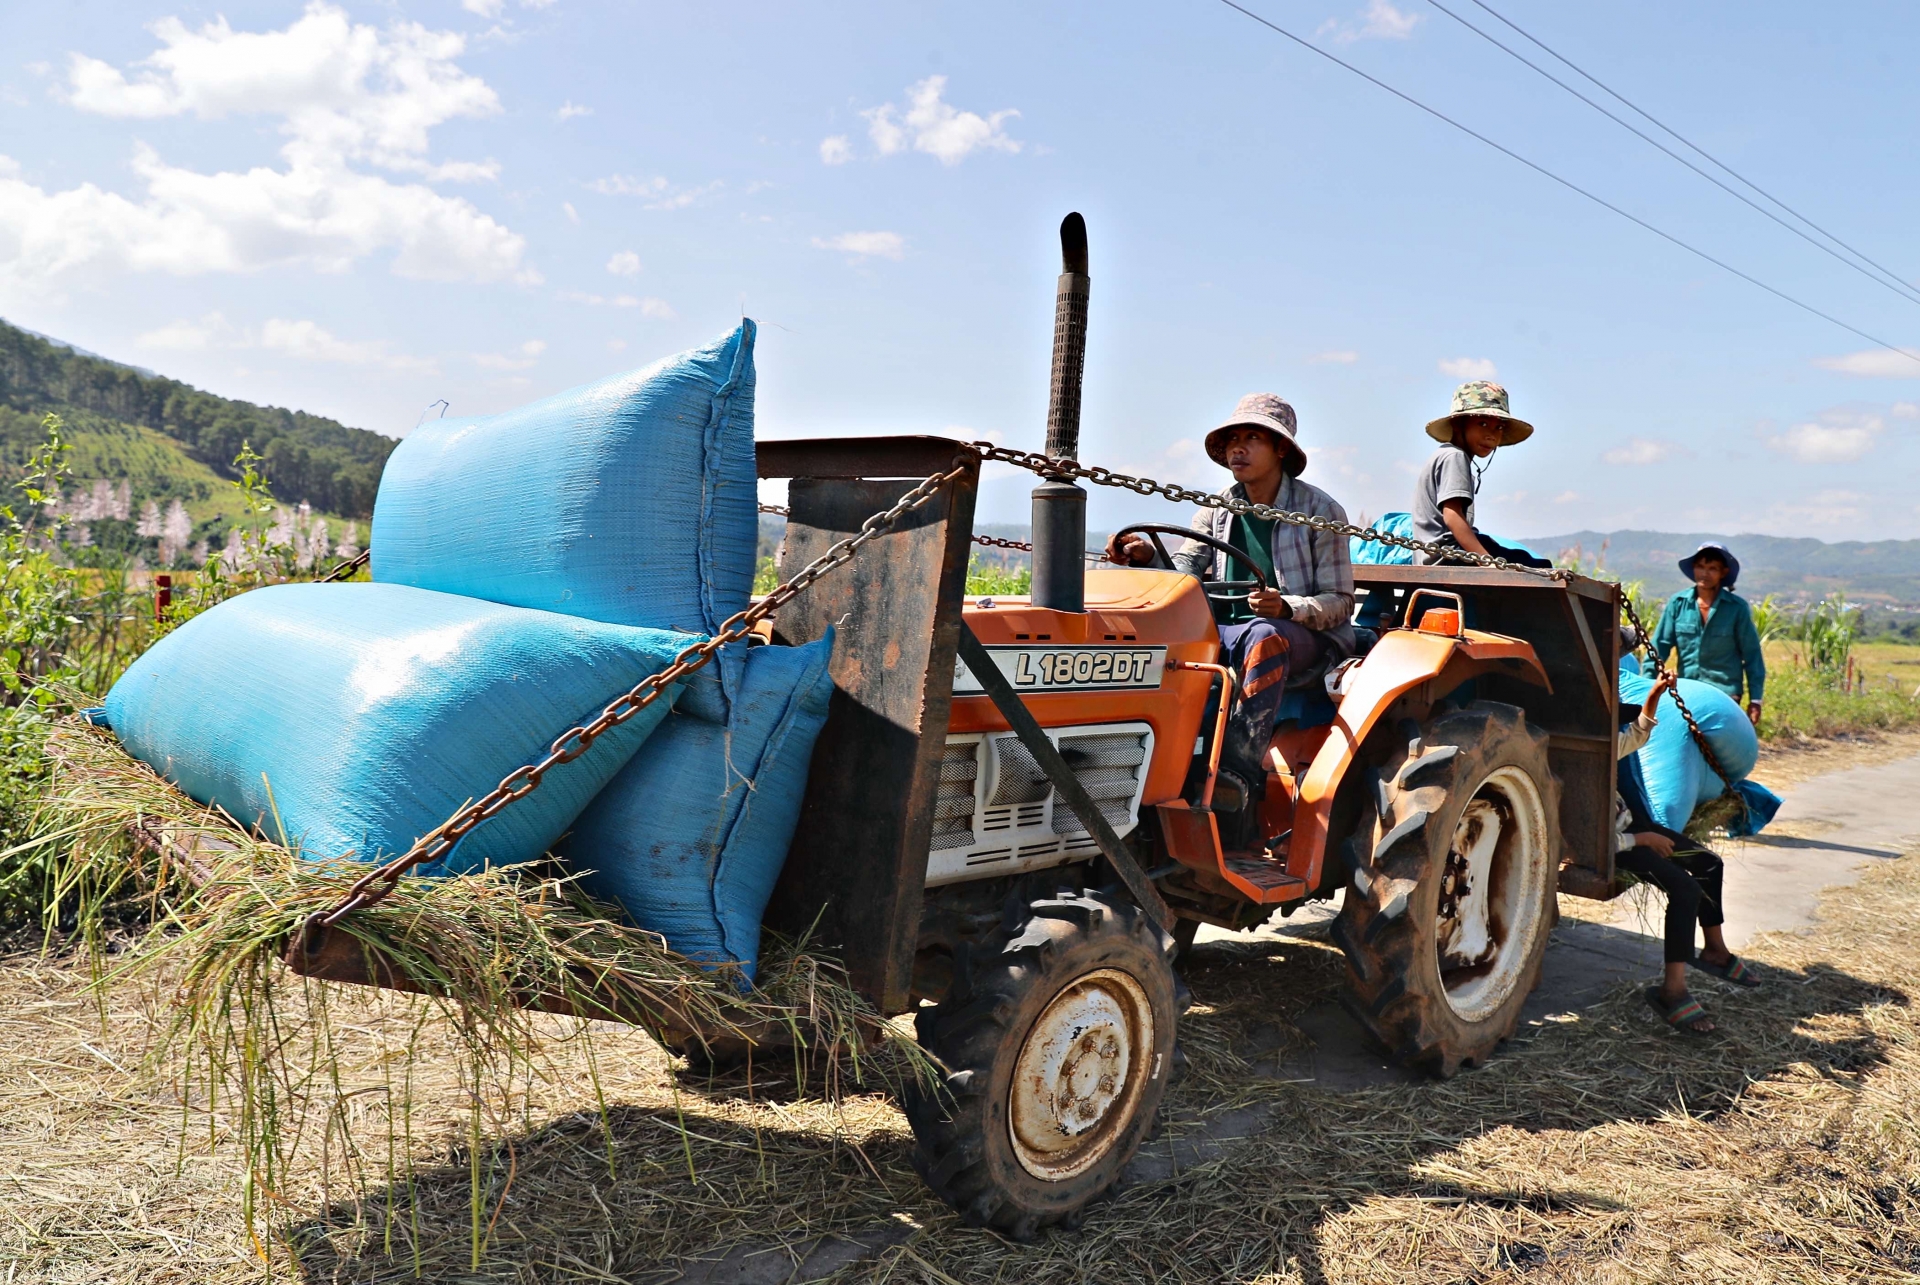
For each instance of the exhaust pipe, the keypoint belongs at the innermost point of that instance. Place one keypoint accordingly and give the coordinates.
(1060, 507)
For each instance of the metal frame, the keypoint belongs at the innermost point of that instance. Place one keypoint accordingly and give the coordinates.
(1571, 625)
(856, 872)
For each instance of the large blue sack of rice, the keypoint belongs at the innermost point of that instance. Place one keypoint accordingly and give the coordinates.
(348, 720)
(1677, 776)
(1379, 553)
(689, 839)
(630, 501)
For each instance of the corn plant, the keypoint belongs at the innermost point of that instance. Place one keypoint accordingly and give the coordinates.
(1770, 618)
(1827, 632)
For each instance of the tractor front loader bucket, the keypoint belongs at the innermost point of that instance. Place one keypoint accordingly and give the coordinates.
(858, 865)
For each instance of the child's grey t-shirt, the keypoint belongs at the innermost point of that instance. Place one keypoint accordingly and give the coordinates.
(1447, 476)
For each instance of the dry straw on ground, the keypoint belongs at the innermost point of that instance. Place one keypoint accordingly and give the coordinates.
(1602, 1149)
(264, 1052)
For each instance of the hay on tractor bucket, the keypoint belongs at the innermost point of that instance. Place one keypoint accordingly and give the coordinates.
(485, 953)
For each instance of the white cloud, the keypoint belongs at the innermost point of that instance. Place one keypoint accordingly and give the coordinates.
(345, 94)
(1874, 363)
(616, 345)
(1906, 410)
(935, 127)
(624, 264)
(570, 109)
(658, 309)
(1341, 357)
(654, 193)
(881, 245)
(573, 215)
(1823, 508)
(835, 150)
(484, 8)
(1639, 450)
(1840, 437)
(187, 336)
(1378, 21)
(308, 341)
(1468, 368)
(520, 359)
(1566, 497)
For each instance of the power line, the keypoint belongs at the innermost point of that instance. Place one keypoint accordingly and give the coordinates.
(1882, 278)
(1569, 184)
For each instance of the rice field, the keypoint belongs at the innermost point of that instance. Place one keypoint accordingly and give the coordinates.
(1599, 1149)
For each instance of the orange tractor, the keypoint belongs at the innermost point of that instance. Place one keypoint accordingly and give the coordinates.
(1016, 818)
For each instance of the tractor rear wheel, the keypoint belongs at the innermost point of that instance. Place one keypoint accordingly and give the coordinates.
(1058, 1038)
(1446, 920)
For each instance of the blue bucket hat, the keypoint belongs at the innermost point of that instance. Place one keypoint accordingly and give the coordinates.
(1719, 550)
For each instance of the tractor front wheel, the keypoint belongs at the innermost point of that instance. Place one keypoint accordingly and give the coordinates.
(1058, 1040)
(1445, 923)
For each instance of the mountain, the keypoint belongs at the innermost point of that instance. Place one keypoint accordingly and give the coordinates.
(170, 441)
(1879, 571)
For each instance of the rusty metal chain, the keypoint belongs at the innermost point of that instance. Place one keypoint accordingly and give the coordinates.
(1693, 725)
(346, 569)
(991, 541)
(1048, 466)
(376, 884)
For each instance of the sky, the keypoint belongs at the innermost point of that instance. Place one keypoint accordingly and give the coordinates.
(362, 208)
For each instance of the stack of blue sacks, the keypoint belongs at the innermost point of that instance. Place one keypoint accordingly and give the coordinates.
(529, 568)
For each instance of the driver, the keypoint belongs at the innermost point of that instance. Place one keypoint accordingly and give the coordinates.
(1305, 615)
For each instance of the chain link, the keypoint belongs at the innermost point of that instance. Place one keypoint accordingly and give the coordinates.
(376, 884)
(990, 541)
(1693, 725)
(1048, 466)
(346, 569)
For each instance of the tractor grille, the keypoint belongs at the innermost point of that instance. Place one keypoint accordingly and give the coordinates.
(1109, 767)
(953, 800)
(995, 811)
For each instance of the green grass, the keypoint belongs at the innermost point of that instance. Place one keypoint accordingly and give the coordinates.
(1802, 701)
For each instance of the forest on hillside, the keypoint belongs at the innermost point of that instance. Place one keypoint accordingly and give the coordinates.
(306, 458)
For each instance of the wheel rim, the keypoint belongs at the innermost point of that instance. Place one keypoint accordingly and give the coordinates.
(1492, 894)
(1080, 1075)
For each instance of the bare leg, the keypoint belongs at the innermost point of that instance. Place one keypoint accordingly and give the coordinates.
(1716, 951)
(1673, 988)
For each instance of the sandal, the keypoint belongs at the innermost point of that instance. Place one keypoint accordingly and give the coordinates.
(1733, 970)
(1683, 1015)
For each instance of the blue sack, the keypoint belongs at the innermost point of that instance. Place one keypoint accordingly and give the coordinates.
(348, 720)
(1375, 553)
(630, 501)
(689, 839)
(1678, 778)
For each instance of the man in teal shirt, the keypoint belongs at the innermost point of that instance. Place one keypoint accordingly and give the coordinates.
(1712, 629)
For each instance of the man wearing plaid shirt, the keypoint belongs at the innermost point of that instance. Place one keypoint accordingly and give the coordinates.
(1305, 617)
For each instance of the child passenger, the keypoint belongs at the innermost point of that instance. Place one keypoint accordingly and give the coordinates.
(1478, 425)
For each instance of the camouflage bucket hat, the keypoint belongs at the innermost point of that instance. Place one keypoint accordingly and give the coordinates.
(1261, 410)
(1480, 399)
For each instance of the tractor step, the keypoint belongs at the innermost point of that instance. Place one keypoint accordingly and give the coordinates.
(1265, 874)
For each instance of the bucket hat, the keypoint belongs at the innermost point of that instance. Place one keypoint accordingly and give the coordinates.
(1480, 399)
(1260, 410)
(1726, 556)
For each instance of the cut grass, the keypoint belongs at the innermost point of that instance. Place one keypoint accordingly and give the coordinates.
(264, 1053)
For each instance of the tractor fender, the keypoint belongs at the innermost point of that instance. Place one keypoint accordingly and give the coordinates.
(1402, 660)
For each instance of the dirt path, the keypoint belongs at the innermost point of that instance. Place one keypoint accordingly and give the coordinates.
(1848, 805)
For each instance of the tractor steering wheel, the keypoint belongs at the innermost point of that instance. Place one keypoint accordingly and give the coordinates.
(1220, 590)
